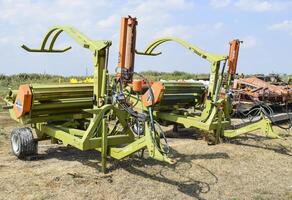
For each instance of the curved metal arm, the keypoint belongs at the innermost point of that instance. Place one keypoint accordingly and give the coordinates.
(210, 57)
(45, 50)
(48, 46)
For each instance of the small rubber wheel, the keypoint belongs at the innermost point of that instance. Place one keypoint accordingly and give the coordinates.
(22, 143)
(138, 128)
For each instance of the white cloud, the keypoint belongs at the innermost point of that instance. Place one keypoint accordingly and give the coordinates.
(286, 25)
(29, 20)
(220, 3)
(181, 31)
(188, 32)
(6, 40)
(149, 6)
(109, 22)
(249, 41)
(218, 26)
(40, 15)
(252, 5)
(153, 11)
(26, 10)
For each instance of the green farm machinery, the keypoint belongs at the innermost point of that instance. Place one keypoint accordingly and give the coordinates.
(88, 116)
(210, 109)
(122, 116)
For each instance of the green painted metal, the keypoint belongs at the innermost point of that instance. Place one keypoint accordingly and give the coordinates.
(189, 94)
(214, 59)
(103, 145)
(205, 55)
(79, 115)
(61, 91)
(215, 116)
(51, 101)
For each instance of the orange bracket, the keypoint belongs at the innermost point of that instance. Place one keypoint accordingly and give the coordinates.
(23, 101)
(157, 91)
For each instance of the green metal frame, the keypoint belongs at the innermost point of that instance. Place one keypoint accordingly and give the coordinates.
(215, 117)
(95, 136)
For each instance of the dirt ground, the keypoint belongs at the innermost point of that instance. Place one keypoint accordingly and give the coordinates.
(249, 167)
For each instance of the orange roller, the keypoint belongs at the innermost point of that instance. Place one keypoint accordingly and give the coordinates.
(23, 101)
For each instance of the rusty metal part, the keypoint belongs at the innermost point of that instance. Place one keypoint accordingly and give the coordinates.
(130, 45)
(257, 90)
(127, 48)
(123, 40)
(233, 56)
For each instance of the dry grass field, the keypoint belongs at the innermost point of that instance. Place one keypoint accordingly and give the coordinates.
(249, 167)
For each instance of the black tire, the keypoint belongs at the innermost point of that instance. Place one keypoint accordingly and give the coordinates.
(22, 143)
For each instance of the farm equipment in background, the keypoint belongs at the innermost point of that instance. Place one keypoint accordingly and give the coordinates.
(251, 91)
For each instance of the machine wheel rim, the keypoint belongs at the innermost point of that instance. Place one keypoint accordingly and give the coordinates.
(15, 144)
(138, 128)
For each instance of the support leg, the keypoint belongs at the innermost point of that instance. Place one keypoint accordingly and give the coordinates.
(268, 129)
(264, 124)
(103, 146)
(219, 128)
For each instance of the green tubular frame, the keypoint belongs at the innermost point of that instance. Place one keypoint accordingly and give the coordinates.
(96, 135)
(215, 117)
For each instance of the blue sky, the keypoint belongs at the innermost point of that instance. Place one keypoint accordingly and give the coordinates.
(264, 26)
